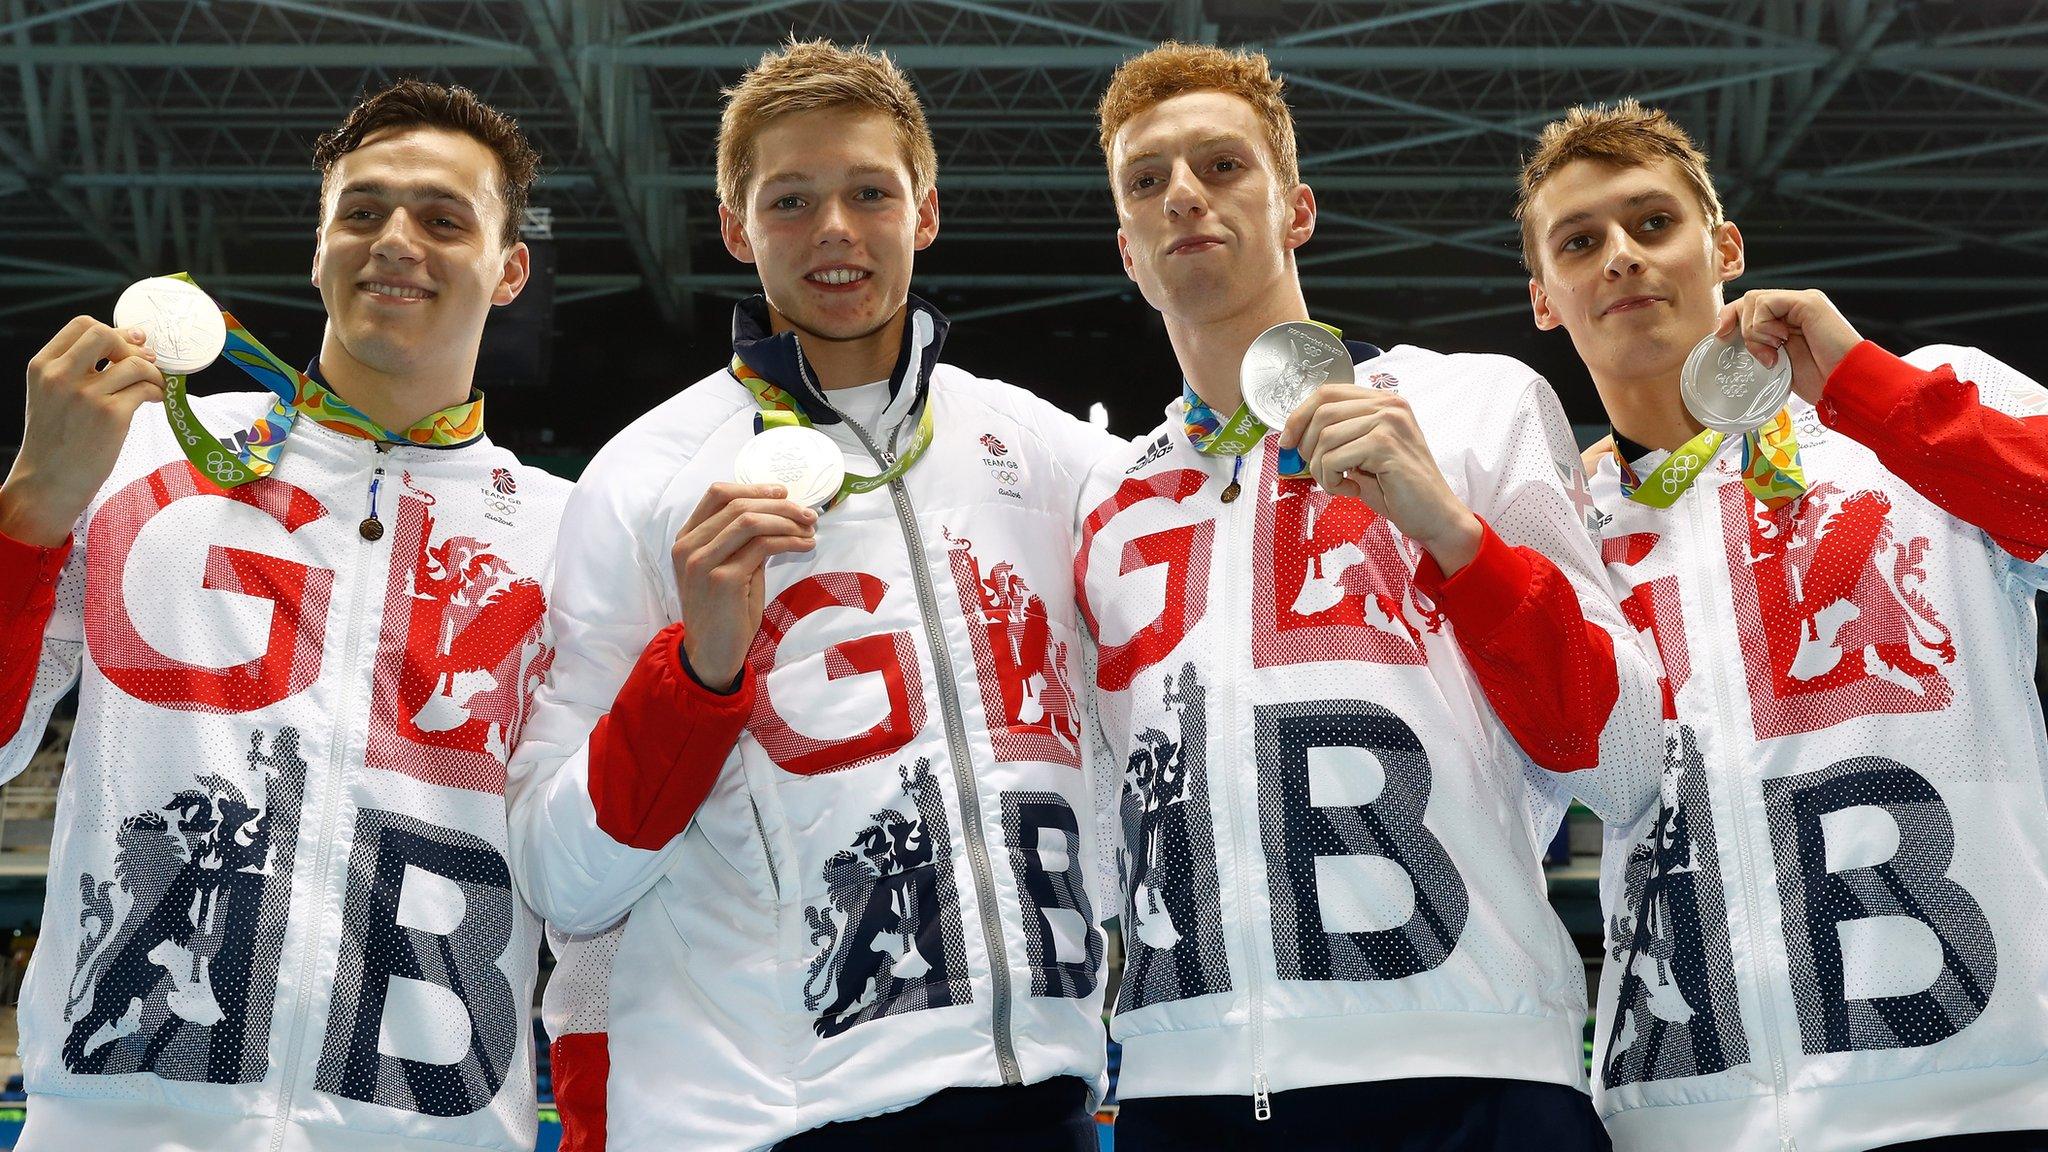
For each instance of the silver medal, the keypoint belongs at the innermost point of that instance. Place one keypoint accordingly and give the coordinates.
(1286, 363)
(803, 460)
(181, 323)
(1729, 390)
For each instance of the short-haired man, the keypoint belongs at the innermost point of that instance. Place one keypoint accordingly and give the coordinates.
(1827, 937)
(829, 760)
(280, 913)
(1349, 666)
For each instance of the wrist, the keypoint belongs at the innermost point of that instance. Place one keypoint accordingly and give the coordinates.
(31, 516)
(710, 681)
(1455, 546)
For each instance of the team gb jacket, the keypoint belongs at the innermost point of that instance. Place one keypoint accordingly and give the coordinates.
(1829, 935)
(885, 891)
(280, 913)
(1340, 767)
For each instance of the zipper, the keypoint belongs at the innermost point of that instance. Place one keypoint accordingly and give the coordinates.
(339, 738)
(761, 830)
(1705, 515)
(1262, 1100)
(956, 747)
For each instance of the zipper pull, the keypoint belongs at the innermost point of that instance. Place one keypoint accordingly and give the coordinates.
(372, 528)
(1262, 1100)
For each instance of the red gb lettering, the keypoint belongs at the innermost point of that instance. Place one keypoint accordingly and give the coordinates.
(1651, 605)
(298, 595)
(891, 655)
(1185, 552)
(458, 657)
(1341, 588)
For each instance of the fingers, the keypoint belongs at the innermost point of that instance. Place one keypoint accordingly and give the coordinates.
(1764, 325)
(96, 344)
(1299, 420)
(1365, 445)
(62, 341)
(1729, 319)
(1331, 405)
(719, 495)
(130, 382)
(715, 543)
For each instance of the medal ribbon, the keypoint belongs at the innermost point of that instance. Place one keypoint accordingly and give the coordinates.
(253, 454)
(1214, 436)
(1770, 467)
(780, 409)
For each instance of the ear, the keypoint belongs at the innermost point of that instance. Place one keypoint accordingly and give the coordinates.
(1301, 216)
(1728, 256)
(927, 220)
(518, 267)
(733, 231)
(1539, 304)
(1123, 253)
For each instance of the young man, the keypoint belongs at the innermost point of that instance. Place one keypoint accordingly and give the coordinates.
(1347, 664)
(829, 759)
(280, 913)
(1827, 936)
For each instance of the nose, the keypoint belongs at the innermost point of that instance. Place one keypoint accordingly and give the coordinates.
(1184, 193)
(1623, 258)
(835, 223)
(399, 239)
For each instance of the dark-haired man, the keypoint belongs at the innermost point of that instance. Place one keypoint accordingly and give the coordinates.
(279, 912)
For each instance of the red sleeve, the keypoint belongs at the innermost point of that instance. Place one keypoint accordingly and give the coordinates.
(28, 594)
(581, 1063)
(655, 755)
(1929, 428)
(1547, 671)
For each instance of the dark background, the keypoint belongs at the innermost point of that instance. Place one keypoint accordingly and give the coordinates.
(1890, 153)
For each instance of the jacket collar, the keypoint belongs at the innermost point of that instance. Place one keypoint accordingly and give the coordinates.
(779, 358)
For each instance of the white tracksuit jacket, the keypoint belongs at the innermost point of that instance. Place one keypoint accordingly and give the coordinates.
(1330, 829)
(886, 891)
(1830, 934)
(280, 912)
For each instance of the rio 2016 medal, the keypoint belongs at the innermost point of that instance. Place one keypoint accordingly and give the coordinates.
(1731, 391)
(1286, 363)
(182, 324)
(803, 460)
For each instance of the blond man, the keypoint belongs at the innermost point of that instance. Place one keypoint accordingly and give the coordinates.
(1357, 665)
(1826, 937)
(827, 755)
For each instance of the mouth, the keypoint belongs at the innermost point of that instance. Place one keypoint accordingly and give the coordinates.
(1188, 245)
(1631, 304)
(837, 276)
(386, 291)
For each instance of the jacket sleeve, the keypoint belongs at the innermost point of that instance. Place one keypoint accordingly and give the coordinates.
(1535, 618)
(42, 639)
(1963, 429)
(623, 744)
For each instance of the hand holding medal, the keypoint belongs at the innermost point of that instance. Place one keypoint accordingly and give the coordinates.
(718, 559)
(1800, 330)
(83, 389)
(1366, 444)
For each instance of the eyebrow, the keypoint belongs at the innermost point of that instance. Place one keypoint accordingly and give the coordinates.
(808, 178)
(409, 192)
(1635, 201)
(1205, 142)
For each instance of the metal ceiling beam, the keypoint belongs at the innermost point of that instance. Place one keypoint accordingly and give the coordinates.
(607, 171)
(1045, 178)
(1605, 59)
(1787, 137)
